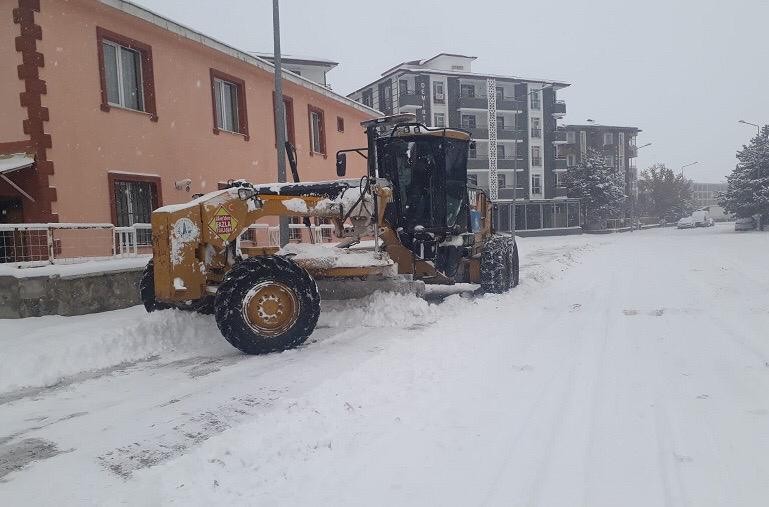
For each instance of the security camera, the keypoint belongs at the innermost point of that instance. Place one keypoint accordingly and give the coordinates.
(183, 184)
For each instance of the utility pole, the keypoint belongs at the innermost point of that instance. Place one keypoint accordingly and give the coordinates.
(280, 116)
(687, 165)
(758, 128)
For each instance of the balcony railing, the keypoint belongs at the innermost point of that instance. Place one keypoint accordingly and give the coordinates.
(507, 133)
(480, 101)
(506, 162)
(560, 163)
(560, 137)
(409, 98)
(559, 108)
(536, 161)
(535, 132)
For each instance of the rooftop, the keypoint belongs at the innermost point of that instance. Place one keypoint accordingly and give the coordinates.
(598, 126)
(304, 60)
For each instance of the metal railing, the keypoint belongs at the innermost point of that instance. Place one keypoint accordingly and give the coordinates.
(62, 243)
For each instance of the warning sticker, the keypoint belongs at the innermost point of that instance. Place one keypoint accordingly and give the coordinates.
(223, 224)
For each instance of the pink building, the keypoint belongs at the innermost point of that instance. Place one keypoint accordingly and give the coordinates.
(114, 108)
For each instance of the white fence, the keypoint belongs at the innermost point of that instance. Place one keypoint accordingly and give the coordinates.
(60, 243)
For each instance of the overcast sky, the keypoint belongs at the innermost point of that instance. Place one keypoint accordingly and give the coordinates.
(684, 71)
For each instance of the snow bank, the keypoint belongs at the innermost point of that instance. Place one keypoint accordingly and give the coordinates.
(42, 351)
(76, 269)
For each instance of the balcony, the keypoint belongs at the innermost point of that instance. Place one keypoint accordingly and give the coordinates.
(560, 137)
(560, 164)
(506, 162)
(481, 102)
(409, 98)
(506, 133)
(559, 108)
(536, 132)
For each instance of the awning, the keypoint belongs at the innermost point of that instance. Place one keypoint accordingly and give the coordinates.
(10, 163)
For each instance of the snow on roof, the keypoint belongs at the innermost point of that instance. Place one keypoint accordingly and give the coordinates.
(160, 21)
(306, 60)
(600, 126)
(10, 163)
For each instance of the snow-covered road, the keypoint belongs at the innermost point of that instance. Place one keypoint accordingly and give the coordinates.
(626, 370)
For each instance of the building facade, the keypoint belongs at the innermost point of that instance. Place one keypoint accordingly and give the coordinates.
(706, 194)
(108, 110)
(618, 144)
(513, 121)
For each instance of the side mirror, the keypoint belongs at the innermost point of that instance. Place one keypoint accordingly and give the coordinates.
(341, 164)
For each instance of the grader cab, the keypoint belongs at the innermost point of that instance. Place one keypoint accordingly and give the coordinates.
(414, 203)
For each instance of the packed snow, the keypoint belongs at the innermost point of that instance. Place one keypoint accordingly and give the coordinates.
(627, 369)
(323, 256)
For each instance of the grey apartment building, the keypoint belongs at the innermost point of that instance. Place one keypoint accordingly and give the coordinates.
(618, 145)
(513, 121)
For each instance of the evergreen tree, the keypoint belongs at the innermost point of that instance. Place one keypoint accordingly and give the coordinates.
(747, 192)
(600, 188)
(664, 194)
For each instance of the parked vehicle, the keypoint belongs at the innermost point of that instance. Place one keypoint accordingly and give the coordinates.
(686, 223)
(702, 218)
(745, 224)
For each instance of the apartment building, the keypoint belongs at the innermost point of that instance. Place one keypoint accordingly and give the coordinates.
(513, 121)
(108, 110)
(617, 143)
(706, 194)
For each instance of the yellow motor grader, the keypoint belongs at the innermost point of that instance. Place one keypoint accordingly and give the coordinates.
(415, 203)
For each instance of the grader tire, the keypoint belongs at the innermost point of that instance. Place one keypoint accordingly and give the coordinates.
(267, 304)
(147, 290)
(499, 265)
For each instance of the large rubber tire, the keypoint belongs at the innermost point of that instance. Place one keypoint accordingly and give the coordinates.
(147, 290)
(246, 305)
(499, 264)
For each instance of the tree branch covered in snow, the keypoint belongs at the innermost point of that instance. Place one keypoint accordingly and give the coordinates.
(664, 194)
(747, 193)
(600, 187)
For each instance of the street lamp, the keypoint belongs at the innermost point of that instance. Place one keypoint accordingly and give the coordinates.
(758, 128)
(687, 165)
(280, 129)
(643, 146)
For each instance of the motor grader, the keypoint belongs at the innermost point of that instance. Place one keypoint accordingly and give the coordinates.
(426, 223)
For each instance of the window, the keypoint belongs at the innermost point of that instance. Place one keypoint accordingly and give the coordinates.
(438, 96)
(133, 198)
(472, 179)
(229, 103)
(467, 90)
(439, 120)
(536, 130)
(472, 152)
(610, 160)
(226, 105)
(288, 118)
(559, 180)
(501, 180)
(500, 122)
(571, 137)
(535, 104)
(536, 183)
(125, 71)
(339, 124)
(571, 160)
(317, 130)
(500, 151)
(368, 97)
(608, 138)
(500, 93)
(536, 156)
(403, 87)
(468, 121)
(457, 67)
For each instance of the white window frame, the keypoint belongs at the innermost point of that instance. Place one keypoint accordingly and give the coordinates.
(538, 178)
(119, 64)
(442, 122)
(236, 112)
(571, 137)
(439, 93)
(559, 179)
(315, 131)
(608, 138)
(571, 160)
(537, 157)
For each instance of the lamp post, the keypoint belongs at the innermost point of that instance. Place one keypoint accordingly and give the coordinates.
(279, 113)
(687, 165)
(758, 128)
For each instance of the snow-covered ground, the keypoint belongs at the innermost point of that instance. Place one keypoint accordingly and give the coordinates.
(626, 370)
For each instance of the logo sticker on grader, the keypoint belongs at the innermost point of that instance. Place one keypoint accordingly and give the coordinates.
(223, 224)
